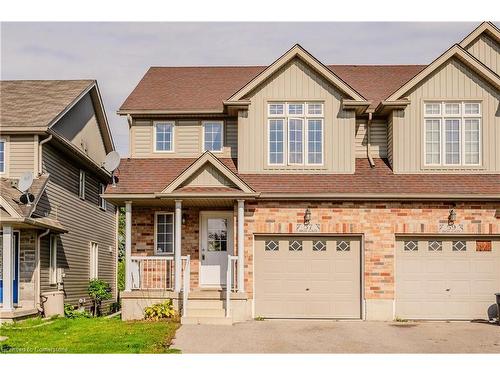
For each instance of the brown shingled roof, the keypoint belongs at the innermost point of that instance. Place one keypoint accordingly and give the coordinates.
(205, 88)
(153, 175)
(36, 103)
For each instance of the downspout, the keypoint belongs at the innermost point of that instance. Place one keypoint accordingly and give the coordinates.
(368, 142)
(40, 153)
(38, 289)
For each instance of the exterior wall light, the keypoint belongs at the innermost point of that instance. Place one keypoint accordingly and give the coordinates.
(452, 217)
(183, 219)
(307, 217)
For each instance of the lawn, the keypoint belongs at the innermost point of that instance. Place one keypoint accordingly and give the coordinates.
(85, 335)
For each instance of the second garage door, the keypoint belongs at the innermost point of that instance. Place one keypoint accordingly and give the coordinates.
(305, 277)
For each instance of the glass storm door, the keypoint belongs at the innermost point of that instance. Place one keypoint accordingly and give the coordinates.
(15, 281)
(216, 245)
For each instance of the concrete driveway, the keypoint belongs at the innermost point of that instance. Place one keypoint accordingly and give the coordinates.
(294, 336)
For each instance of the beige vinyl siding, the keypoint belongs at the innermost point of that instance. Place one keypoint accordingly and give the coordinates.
(378, 139)
(486, 50)
(452, 81)
(296, 81)
(85, 222)
(389, 139)
(21, 155)
(188, 139)
(208, 176)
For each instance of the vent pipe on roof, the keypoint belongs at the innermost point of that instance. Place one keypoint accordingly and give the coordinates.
(368, 139)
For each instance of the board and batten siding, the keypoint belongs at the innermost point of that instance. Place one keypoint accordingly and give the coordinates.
(296, 81)
(21, 155)
(209, 175)
(85, 222)
(452, 81)
(390, 144)
(486, 50)
(378, 139)
(188, 139)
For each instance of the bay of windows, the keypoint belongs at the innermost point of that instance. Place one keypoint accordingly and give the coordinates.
(301, 124)
(452, 133)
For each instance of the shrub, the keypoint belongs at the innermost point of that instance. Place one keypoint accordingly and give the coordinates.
(71, 313)
(99, 291)
(163, 310)
(121, 275)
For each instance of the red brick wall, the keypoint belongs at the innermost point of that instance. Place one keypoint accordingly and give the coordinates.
(378, 222)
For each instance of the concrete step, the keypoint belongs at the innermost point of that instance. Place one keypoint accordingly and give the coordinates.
(206, 304)
(189, 320)
(205, 313)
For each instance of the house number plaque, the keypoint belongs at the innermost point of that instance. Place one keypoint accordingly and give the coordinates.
(453, 228)
(308, 228)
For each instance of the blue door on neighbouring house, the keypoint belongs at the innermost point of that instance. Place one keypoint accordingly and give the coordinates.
(15, 282)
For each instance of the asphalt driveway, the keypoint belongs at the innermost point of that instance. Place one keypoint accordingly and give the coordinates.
(295, 336)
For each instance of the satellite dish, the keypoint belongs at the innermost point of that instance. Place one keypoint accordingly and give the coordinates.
(25, 181)
(112, 161)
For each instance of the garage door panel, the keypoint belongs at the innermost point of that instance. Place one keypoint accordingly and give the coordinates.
(307, 283)
(446, 284)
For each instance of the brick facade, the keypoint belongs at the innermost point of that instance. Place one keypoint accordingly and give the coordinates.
(379, 223)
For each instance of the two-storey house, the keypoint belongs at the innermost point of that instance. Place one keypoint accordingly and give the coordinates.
(305, 190)
(65, 234)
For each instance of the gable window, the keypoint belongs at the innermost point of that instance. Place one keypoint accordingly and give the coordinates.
(452, 133)
(94, 261)
(164, 136)
(53, 260)
(102, 202)
(164, 237)
(2, 155)
(302, 123)
(81, 185)
(212, 134)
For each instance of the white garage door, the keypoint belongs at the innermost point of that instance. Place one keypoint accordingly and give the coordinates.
(305, 277)
(446, 278)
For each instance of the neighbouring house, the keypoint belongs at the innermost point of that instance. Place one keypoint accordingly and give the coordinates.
(304, 190)
(58, 131)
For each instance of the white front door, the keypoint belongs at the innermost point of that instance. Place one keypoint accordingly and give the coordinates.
(216, 245)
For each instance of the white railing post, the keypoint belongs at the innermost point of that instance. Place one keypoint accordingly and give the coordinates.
(178, 247)
(186, 285)
(128, 246)
(228, 284)
(241, 247)
(8, 269)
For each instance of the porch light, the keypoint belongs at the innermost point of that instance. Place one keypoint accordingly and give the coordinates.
(183, 219)
(307, 217)
(452, 217)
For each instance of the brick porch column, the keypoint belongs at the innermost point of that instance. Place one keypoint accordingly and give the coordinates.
(178, 247)
(128, 246)
(241, 245)
(8, 271)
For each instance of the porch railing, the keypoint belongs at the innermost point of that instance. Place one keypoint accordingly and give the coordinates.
(231, 281)
(186, 274)
(152, 272)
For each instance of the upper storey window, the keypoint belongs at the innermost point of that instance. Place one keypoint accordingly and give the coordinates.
(2, 155)
(295, 133)
(212, 136)
(452, 133)
(164, 136)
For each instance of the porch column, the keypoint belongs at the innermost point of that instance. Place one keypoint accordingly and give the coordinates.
(128, 246)
(178, 247)
(241, 245)
(8, 271)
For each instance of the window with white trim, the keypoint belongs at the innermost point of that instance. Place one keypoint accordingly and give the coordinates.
(164, 236)
(213, 132)
(303, 125)
(452, 133)
(164, 136)
(53, 259)
(94, 261)
(81, 184)
(2, 155)
(102, 201)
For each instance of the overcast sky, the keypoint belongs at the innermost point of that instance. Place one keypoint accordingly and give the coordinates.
(118, 54)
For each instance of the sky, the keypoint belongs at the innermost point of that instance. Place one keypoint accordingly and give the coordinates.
(117, 55)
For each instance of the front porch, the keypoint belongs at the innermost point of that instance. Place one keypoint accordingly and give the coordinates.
(187, 250)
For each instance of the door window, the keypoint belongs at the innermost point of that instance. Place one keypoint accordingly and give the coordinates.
(217, 234)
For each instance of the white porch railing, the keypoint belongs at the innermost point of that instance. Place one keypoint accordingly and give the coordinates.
(152, 272)
(186, 275)
(231, 280)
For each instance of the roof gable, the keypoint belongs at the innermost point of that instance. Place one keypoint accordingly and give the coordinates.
(484, 28)
(296, 52)
(207, 170)
(454, 52)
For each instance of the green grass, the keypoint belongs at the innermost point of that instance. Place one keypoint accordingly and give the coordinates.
(83, 335)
